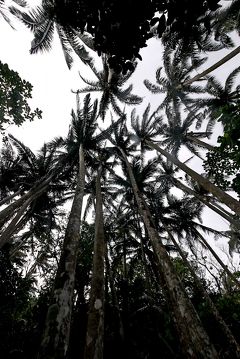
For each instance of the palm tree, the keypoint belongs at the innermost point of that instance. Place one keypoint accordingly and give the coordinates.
(42, 21)
(9, 165)
(219, 63)
(95, 326)
(148, 130)
(4, 9)
(178, 69)
(204, 182)
(172, 281)
(35, 174)
(183, 214)
(220, 97)
(178, 216)
(176, 133)
(191, 332)
(56, 343)
(227, 19)
(110, 84)
(219, 320)
(82, 142)
(200, 39)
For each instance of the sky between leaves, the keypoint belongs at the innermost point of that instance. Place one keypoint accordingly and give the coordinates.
(52, 84)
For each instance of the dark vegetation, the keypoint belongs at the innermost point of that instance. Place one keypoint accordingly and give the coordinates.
(99, 258)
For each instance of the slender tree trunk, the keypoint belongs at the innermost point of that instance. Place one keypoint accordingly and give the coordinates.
(7, 212)
(95, 325)
(7, 233)
(18, 221)
(194, 339)
(143, 254)
(218, 259)
(215, 203)
(114, 296)
(225, 198)
(201, 143)
(232, 346)
(124, 258)
(202, 199)
(57, 327)
(213, 67)
(8, 198)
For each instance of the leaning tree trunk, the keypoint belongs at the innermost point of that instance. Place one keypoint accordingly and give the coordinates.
(213, 67)
(6, 235)
(57, 327)
(194, 340)
(200, 143)
(218, 259)
(8, 211)
(18, 221)
(219, 210)
(8, 198)
(95, 324)
(225, 198)
(233, 348)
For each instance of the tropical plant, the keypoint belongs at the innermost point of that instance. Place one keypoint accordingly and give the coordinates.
(42, 21)
(109, 83)
(14, 96)
(178, 69)
(220, 97)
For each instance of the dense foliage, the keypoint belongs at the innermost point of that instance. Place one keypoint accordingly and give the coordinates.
(14, 95)
(104, 249)
(223, 164)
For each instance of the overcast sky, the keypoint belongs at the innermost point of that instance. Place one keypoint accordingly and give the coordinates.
(52, 82)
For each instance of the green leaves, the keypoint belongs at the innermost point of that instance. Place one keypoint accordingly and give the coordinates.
(14, 93)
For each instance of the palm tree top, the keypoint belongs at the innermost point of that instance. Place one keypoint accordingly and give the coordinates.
(177, 69)
(110, 84)
(42, 21)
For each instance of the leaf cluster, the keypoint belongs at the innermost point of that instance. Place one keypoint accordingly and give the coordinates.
(14, 95)
(109, 22)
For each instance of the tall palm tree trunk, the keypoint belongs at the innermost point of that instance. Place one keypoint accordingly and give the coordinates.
(201, 143)
(7, 212)
(8, 232)
(219, 210)
(16, 224)
(218, 259)
(232, 345)
(8, 198)
(213, 67)
(95, 325)
(194, 340)
(225, 198)
(57, 327)
(114, 296)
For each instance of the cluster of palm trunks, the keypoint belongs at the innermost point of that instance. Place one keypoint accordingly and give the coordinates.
(129, 282)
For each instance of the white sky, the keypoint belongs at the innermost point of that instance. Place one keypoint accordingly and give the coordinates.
(52, 83)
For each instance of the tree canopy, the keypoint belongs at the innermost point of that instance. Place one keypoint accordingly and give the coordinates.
(106, 250)
(14, 95)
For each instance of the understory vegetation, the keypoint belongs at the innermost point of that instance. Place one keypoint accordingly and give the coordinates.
(105, 250)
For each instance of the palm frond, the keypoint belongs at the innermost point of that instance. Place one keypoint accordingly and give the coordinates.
(231, 79)
(115, 106)
(33, 19)
(152, 88)
(89, 82)
(78, 48)
(67, 50)
(43, 37)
